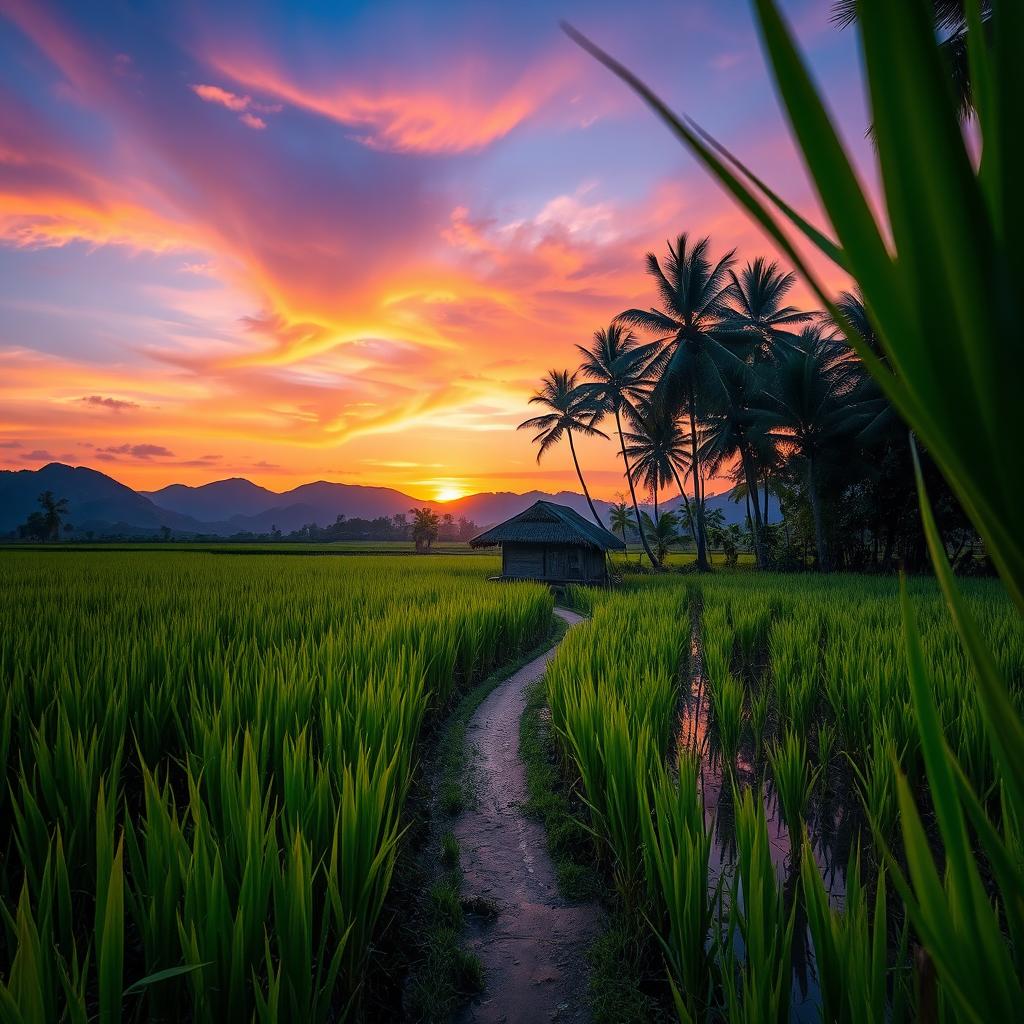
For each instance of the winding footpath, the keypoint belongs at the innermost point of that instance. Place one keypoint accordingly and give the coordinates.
(534, 952)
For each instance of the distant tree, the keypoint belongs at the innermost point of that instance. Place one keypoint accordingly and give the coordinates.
(448, 524)
(620, 519)
(425, 526)
(54, 511)
(661, 533)
(46, 524)
(165, 533)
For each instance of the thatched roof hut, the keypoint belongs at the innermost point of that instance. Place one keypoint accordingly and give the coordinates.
(551, 543)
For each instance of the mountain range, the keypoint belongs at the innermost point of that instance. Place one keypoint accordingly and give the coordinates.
(101, 505)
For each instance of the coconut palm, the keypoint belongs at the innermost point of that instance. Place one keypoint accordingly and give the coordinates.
(951, 27)
(570, 410)
(618, 518)
(812, 403)
(661, 533)
(700, 353)
(756, 299)
(659, 448)
(619, 372)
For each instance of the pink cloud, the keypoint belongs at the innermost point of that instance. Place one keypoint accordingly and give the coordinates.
(252, 121)
(463, 111)
(215, 94)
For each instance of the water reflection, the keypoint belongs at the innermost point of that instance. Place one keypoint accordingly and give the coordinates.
(835, 819)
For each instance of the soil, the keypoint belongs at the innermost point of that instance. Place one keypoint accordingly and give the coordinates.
(534, 951)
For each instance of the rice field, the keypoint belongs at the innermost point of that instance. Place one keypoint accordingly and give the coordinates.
(742, 748)
(205, 765)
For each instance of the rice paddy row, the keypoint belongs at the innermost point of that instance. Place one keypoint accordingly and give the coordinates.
(206, 761)
(742, 777)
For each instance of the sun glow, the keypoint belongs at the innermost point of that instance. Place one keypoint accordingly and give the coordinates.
(448, 494)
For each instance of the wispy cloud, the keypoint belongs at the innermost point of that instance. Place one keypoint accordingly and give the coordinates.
(114, 404)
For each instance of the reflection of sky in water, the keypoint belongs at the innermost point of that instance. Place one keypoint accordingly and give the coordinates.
(834, 820)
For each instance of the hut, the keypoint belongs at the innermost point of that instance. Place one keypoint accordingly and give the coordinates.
(551, 543)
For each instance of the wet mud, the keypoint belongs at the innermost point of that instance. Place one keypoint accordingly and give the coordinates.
(534, 951)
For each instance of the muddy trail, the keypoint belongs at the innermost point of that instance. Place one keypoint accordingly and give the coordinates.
(534, 951)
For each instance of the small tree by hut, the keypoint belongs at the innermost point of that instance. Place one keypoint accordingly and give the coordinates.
(425, 526)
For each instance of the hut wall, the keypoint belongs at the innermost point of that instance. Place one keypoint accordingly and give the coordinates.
(594, 563)
(555, 562)
(523, 560)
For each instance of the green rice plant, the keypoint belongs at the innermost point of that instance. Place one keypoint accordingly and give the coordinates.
(826, 744)
(726, 695)
(757, 986)
(794, 782)
(760, 707)
(876, 785)
(677, 848)
(222, 748)
(793, 647)
(979, 970)
(851, 949)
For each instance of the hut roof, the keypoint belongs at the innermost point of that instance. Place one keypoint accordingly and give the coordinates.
(544, 522)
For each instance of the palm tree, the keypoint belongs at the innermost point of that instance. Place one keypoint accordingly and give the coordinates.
(756, 298)
(700, 353)
(661, 533)
(951, 27)
(659, 448)
(619, 370)
(813, 402)
(619, 519)
(570, 410)
(54, 511)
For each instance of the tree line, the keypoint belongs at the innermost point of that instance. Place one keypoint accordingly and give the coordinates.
(736, 381)
(423, 526)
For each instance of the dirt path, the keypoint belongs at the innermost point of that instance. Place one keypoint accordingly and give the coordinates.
(534, 951)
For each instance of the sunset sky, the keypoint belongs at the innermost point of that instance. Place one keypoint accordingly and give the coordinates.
(345, 244)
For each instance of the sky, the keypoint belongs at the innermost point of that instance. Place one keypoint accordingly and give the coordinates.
(344, 241)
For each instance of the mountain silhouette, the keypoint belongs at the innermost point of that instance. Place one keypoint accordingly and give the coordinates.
(225, 507)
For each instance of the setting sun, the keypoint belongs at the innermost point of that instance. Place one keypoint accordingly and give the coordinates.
(448, 493)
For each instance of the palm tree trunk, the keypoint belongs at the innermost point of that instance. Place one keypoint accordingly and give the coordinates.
(632, 490)
(583, 483)
(702, 554)
(655, 502)
(765, 498)
(686, 502)
(751, 475)
(819, 525)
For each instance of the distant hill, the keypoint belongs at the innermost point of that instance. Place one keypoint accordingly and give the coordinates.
(96, 501)
(225, 507)
(217, 501)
